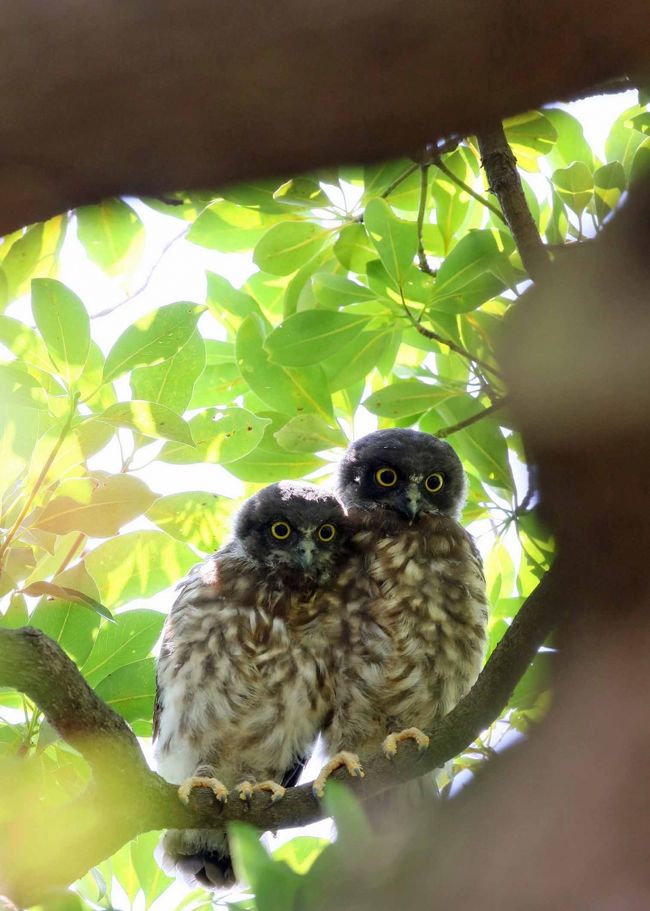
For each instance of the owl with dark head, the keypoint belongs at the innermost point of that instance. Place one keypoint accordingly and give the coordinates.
(246, 671)
(404, 491)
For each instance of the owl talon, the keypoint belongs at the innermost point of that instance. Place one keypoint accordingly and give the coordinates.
(343, 759)
(196, 781)
(389, 746)
(245, 790)
(276, 790)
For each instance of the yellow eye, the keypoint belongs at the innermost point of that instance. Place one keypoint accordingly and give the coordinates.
(434, 482)
(386, 477)
(281, 530)
(326, 533)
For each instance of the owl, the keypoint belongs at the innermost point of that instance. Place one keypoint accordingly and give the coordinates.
(404, 491)
(246, 670)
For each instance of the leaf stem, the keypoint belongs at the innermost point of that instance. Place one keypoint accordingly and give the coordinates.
(76, 544)
(39, 480)
(439, 163)
(472, 419)
(398, 180)
(424, 186)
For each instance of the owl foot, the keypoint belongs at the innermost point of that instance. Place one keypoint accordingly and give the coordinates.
(219, 790)
(246, 790)
(276, 790)
(349, 760)
(389, 746)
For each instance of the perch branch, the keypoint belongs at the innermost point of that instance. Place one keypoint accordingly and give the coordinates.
(126, 798)
(503, 179)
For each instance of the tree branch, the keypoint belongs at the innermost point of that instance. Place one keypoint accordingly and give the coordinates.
(503, 178)
(126, 798)
(472, 419)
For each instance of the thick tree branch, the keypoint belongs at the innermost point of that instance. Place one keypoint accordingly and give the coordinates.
(503, 179)
(145, 97)
(126, 798)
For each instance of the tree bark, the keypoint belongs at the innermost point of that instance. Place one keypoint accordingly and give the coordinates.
(100, 99)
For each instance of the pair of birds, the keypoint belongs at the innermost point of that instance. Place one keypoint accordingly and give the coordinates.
(361, 618)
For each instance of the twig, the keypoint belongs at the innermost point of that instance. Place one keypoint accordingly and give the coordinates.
(398, 180)
(503, 178)
(466, 187)
(126, 798)
(39, 481)
(143, 287)
(424, 186)
(472, 419)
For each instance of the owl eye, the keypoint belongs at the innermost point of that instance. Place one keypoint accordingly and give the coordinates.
(281, 530)
(434, 482)
(326, 533)
(386, 477)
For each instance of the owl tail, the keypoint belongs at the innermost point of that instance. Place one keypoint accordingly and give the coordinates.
(197, 856)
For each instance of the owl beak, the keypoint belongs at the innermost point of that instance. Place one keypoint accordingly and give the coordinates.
(412, 502)
(306, 554)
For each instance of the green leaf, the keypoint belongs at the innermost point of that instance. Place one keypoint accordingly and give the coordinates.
(353, 248)
(302, 191)
(153, 881)
(74, 627)
(118, 644)
(64, 324)
(270, 462)
(218, 384)
(352, 824)
(570, 144)
(335, 291)
(152, 339)
(288, 246)
(309, 433)
(575, 185)
(302, 339)
(467, 277)
(406, 397)
(32, 254)
(149, 419)
(108, 231)
(222, 296)
(229, 228)
(20, 388)
(172, 383)
(356, 361)
(536, 679)
(395, 240)
(101, 511)
(22, 341)
(137, 565)
(219, 437)
(65, 593)
(301, 852)
(288, 390)
(530, 135)
(130, 689)
(250, 858)
(623, 139)
(199, 518)
(609, 185)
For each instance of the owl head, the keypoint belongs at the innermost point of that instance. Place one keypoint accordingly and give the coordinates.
(408, 472)
(294, 528)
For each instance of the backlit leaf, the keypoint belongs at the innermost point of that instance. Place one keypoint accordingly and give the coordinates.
(64, 324)
(288, 246)
(219, 437)
(305, 338)
(395, 240)
(150, 419)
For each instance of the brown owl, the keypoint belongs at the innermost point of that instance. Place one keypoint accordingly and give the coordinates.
(404, 491)
(245, 675)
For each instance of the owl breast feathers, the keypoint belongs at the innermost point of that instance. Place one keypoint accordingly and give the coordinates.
(249, 656)
(404, 490)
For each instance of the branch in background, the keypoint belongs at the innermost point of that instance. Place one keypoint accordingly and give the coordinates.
(472, 419)
(398, 180)
(503, 179)
(451, 344)
(126, 798)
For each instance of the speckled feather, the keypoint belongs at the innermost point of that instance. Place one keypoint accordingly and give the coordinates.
(431, 605)
(249, 656)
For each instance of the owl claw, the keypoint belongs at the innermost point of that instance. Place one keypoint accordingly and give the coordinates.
(349, 760)
(195, 781)
(389, 746)
(276, 790)
(245, 790)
